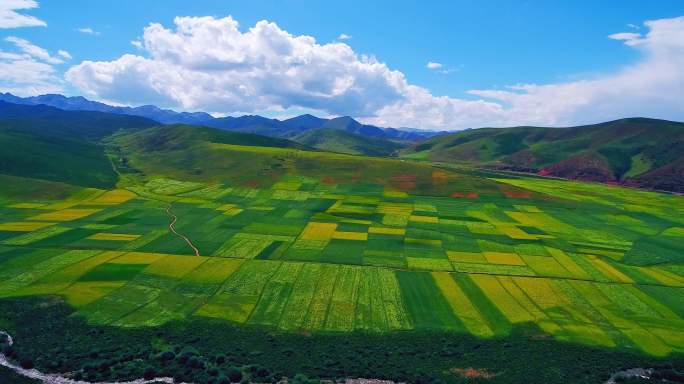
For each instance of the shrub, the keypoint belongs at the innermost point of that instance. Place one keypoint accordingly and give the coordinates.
(149, 373)
(26, 363)
(167, 355)
(301, 378)
(234, 374)
(195, 363)
(262, 372)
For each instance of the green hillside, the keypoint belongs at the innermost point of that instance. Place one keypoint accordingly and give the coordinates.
(638, 151)
(53, 122)
(63, 146)
(53, 158)
(209, 155)
(336, 140)
(18, 188)
(180, 137)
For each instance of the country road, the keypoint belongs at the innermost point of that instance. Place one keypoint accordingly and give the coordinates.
(172, 228)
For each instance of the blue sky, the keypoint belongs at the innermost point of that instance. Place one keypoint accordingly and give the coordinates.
(480, 45)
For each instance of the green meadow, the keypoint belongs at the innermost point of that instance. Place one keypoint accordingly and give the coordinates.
(384, 247)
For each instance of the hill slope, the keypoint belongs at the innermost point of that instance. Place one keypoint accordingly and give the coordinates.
(179, 137)
(335, 140)
(47, 143)
(637, 151)
(51, 121)
(213, 156)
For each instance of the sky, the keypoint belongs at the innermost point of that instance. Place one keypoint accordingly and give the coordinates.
(433, 65)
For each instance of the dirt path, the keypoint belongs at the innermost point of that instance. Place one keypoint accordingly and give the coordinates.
(632, 373)
(174, 219)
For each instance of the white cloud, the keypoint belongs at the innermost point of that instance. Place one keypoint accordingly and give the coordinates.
(36, 51)
(10, 18)
(66, 55)
(651, 87)
(30, 69)
(137, 43)
(344, 36)
(628, 37)
(88, 31)
(434, 65)
(206, 63)
(23, 75)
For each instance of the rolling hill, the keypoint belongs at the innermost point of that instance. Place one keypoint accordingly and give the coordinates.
(637, 151)
(342, 141)
(47, 143)
(208, 155)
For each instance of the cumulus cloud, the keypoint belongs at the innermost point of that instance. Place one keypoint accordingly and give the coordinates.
(344, 36)
(88, 31)
(434, 65)
(30, 69)
(10, 18)
(210, 64)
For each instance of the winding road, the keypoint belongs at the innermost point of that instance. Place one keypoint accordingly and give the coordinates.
(174, 219)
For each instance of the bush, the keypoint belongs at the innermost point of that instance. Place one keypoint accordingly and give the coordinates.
(234, 374)
(9, 351)
(303, 379)
(261, 372)
(26, 363)
(149, 373)
(196, 363)
(220, 359)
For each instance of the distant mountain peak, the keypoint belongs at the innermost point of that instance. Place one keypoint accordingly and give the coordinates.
(248, 123)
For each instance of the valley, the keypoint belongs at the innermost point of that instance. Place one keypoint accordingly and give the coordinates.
(308, 192)
(199, 230)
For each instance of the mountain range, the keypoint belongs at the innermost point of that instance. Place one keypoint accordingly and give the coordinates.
(288, 128)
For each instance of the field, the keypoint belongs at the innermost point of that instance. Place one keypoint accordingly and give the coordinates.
(434, 250)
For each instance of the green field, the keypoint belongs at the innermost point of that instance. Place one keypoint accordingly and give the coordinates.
(414, 248)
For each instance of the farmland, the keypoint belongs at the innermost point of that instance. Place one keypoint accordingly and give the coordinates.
(230, 247)
(594, 265)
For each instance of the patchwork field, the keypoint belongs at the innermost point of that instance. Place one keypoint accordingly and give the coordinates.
(591, 264)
